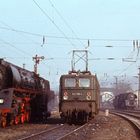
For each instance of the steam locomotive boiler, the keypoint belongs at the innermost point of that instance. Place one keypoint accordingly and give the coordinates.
(23, 95)
(78, 97)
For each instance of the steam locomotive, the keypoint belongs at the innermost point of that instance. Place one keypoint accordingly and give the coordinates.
(78, 97)
(125, 101)
(23, 95)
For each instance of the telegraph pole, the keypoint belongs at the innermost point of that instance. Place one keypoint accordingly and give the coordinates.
(116, 83)
(37, 59)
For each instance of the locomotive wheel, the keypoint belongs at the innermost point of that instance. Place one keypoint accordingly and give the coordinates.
(3, 123)
(11, 122)
(27, 117)
(22, 118)
(16, 121)
(86, 118)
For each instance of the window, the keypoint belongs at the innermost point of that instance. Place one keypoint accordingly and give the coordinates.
(70, 82)
(84, 82)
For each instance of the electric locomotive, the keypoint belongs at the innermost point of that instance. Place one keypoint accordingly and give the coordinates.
(78, 96)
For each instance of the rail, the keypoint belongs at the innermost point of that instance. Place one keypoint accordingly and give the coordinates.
(134, 118)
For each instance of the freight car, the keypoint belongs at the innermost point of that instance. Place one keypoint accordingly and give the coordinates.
(78, 97)
(23, 95)
(125, 101)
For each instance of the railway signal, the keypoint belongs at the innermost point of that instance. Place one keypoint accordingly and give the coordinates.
(37, 59)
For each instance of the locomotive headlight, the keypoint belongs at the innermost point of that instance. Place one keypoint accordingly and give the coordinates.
(88, 97)
(1, 101)
(65, 96)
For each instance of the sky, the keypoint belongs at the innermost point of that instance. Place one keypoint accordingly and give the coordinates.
(54, 28)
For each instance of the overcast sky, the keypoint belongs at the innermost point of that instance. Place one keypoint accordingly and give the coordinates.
(53, 28)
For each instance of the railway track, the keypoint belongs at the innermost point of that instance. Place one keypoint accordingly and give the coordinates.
(72, 132)
(133, 117)
(97, 128)
(60, 132)
(132, 111)
(56, 133)
(37, 134)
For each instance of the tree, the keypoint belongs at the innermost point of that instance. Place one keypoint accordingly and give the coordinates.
(121, 87)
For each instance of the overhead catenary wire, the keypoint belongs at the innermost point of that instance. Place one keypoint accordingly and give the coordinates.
(5, 24)
(66, 23)
(64, 58)
(65, 44)
(62, 37)
(21, 31)
(125, 69)
(44, 12)
(9, 44)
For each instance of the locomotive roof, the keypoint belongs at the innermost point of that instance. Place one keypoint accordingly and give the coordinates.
(125, 94)
(8, 64)
(79, 73)
(5, 63)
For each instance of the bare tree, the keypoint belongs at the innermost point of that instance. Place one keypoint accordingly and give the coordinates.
(121, 87)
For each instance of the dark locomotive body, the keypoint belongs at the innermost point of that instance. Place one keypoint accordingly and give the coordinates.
(125, 101)
(78, 97)
(23, 95)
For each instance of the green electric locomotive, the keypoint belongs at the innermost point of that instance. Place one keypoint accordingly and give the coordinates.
(78, 96)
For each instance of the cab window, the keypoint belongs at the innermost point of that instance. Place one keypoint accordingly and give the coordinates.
(84, 82)
(70, 82)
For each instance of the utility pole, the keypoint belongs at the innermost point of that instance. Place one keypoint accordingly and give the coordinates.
(37, 59)
(139, 89)
(116, 83)
(23, 65)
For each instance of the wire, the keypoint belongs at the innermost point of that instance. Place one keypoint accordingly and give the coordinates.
(14, 47)
(13, 57)
(20, 31)
(126, 68)
(66, 23)
(14, 29)
(53, 23)
(60, 37)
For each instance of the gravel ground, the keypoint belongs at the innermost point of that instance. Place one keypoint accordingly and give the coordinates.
(101, 128)
(107, 128)
(115, 128)
(15, 132)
